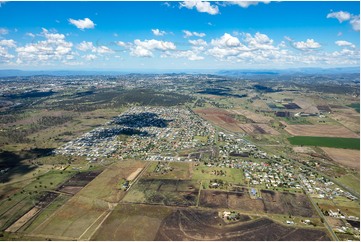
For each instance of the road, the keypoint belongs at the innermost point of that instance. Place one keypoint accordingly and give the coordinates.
(334, 237)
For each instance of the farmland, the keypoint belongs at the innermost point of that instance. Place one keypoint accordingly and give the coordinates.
(349, 158)
(333, 142)
(205, 225)
(221, 118)
(179, 159)
(320, 131)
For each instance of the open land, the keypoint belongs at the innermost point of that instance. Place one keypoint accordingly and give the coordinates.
(349, 158)
(320, 131)
(345, 143)
(153, 157)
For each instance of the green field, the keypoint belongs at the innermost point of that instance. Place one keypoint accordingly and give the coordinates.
(343, 143)
(355, 106)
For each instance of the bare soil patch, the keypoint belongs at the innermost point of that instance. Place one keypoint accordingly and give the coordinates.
(258, 129)
(320, 131)
(232, 200)
(257, 118)
(303, 149)
(349, 158)
(193, 224)
(348, 117)
(287, 203)
(220, 117)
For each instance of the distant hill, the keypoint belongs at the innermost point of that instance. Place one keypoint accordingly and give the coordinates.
(290, 71)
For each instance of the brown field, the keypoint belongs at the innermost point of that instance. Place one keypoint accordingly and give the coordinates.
(320, 131)
(258, 129)
(238, 201)
(132, 176)
(25, 218)
(132, 222)
(70, 189)
(192, 224)
(348, 117)
(287, 203)
(257, 118)
(349, 158)
(80, 215)
(220, 117)
(303, 149)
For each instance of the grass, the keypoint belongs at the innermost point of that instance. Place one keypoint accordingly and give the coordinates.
(351, 181)
(181, 170)
(355, 106)
(344, 143)
(132, 222)
(45, 213)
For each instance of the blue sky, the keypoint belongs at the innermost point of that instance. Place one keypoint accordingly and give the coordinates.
(178, 35)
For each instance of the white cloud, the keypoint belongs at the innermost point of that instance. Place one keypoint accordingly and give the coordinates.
(340, 16)
(85, 46)
(53, 48)
(4, 31)
(158, 32)
(202, 7)
(90, 57)
(82, 23)
(30, 35)
(5, 56)
(246, 4)
(155, 44)
(8, 43)
(310, 44)
(355, 23)
(89, 46)
(191, 55)
(188, 34)
(259, 41)
(226, 40)
(344, 43)
(122, 44)
(145, 48)
(198, 42)
(140, 51)
(103, 50)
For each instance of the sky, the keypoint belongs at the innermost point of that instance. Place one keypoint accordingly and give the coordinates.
(178, 35)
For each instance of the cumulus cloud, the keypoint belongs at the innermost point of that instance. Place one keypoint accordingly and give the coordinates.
(202, 7)
(344, 43)
(158, 32)
(226, 40)
(145, 48)
(188, 34)
(8, 43)
(53, 48)
(310, 44)
(340, 16)
(4, 31)
(259, 41)
(246, 4)
(5, 56)
(355, 23)
(82, 23)
(189, 54)
(90, 57)
(198, 42)
(89, 46)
